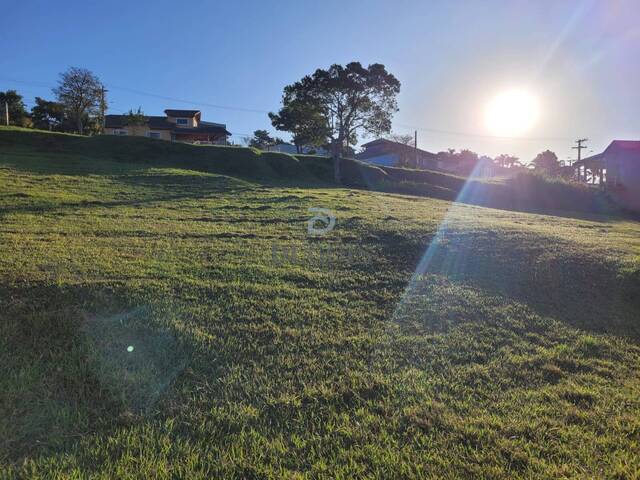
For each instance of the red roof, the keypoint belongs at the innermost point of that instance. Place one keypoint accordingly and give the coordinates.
(182, 113)
(626, 146)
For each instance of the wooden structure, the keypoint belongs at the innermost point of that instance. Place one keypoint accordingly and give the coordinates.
(617, 166)
(617, 169)
(591, 169)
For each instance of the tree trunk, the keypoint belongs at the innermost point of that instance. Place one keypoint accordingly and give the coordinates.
(80, 124)
(337, 160)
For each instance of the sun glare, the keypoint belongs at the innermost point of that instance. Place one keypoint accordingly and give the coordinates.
(512, 113)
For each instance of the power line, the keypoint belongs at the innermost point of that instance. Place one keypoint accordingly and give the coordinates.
(23, 82)
(251, 110)
(480, 135)
(189, 102)
(149, 94)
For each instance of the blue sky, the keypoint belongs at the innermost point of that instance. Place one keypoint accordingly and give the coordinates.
(580, 58)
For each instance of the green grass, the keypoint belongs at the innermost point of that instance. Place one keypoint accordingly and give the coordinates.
(511, 353)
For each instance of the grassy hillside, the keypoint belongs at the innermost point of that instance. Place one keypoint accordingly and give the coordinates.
(159, 321)
(525, 192)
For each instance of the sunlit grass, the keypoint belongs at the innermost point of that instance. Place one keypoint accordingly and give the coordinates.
(514, 355)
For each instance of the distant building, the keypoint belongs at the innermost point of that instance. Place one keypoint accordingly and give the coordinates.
(388, 153)
(469, 164)
(177, 125)
(617, 169)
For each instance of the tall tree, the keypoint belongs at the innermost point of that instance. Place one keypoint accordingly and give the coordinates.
(546, 161)
(80, 91)
(48, 115)
(350, 99)
(17, 112)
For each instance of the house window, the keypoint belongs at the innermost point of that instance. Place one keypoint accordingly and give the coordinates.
(182, 121)
(154, 134)
(119, 132)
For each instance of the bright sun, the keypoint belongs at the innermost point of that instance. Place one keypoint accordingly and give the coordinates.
(512, 113)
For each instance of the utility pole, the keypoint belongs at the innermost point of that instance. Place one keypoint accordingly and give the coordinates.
(415, 147)
(580, 141)
(579, 147)
(6, 112)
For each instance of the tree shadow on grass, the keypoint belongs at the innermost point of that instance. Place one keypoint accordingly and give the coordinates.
(149, 188)
(76, 360)
(553, 277)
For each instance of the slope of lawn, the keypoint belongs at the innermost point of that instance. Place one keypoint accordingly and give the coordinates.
(159, 321)
(524, 192)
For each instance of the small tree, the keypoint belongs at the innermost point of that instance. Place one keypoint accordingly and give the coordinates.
(467, 161)
(505, 160)
(17, 112)
(462, 162)
(350, 99)
(447, 159)
(134, 119)
(262, 140)
(80, 91)
(546, 161)
(48, 115)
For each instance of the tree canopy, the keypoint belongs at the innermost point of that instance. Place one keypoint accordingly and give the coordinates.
(48, 115)
(338, 104)
(136, 117)
(305, 122)
(80, 91)
(546, 161)
(262, 140)
(506, 160)
(17, 112)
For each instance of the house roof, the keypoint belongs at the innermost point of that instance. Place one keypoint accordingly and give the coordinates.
(391, 146)
(629, 149)
(624, 146)
(593, 160)
(161, 123)
(182, 113)
(380, 141)
(154, 122)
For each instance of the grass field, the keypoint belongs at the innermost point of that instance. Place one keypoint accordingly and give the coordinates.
(159, 321)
